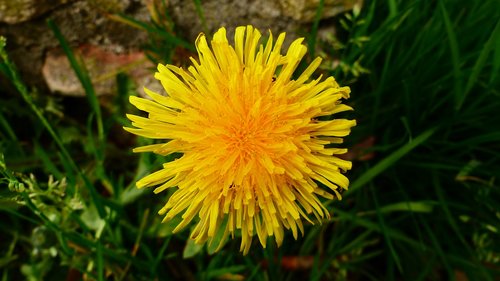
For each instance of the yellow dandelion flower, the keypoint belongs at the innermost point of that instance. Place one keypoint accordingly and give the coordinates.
(256, 154)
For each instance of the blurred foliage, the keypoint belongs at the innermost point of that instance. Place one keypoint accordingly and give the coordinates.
(424, 197)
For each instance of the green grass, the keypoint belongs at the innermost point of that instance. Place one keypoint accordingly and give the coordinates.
(425, 206)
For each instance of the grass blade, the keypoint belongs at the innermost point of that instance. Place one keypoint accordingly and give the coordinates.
(413, 206)
(437, 247)
(370, 225)
(384, 231)
(481, 61)
(100, 262)
(47, 162)
(496, 60)
(21, 88)
(8, 129)
(138, 24)
(393, 8)
(314, 29)
(83, 77)
(455, 56)
(389, 161)
(199, 11)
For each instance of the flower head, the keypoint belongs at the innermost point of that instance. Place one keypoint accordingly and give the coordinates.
(258, 147)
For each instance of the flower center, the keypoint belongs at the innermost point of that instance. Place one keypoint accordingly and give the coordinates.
(244, 137)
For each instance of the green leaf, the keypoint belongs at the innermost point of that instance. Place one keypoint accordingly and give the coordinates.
(415, 206)
(92, 220)
(166, 228)
(219, 235)
(191, 249)
(225, 270)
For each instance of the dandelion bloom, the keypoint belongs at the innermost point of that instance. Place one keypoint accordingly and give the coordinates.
(258, 147)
